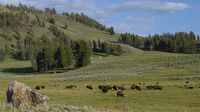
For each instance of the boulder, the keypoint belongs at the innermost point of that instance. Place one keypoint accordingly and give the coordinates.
(20, 94)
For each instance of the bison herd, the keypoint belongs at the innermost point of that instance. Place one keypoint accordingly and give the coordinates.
(120, 89)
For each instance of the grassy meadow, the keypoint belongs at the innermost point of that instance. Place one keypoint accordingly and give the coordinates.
(168, 69)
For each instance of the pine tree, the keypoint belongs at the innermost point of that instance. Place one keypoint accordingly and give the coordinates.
(63, 56)
(58, 58)
(41, 61)
(83, 53)
(111, 30)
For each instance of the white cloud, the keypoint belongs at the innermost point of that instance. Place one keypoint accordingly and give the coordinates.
(147, 4)
(136, 23)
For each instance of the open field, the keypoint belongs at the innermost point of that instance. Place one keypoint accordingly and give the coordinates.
(169, 70)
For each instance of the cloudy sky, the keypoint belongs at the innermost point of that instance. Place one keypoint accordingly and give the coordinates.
(135, 16)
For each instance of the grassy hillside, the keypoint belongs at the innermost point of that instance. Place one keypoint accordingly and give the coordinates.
(75, 29)
(169, 70)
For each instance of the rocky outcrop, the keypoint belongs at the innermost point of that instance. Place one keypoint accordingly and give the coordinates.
(20, 94)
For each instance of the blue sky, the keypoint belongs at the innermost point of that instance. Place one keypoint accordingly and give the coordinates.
(135, 16)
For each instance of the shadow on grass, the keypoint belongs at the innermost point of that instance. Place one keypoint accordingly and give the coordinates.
(18, 70)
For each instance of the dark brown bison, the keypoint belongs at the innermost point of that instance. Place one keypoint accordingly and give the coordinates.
(121, 88)
(158, 87)
(70, 87)
(105, 88)
(115, 88)
(136, 87)
(100, 87)
(133, 86)
(43, 87)
(89, 87)
(120, 94)
(154, 87)
(37, 87)
(149, 87)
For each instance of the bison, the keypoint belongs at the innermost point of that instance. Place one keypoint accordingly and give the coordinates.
(105, 88)
(43, 87)
(115, 88)
(135, 87)
(37, 87)
(89, 87)
(154, 87)
(158, 87)
(121, 88)
(70, 87)
(120, 94)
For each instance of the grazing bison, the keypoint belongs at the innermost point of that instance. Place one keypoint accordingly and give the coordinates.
(158, 87)
(105, 88)
(89, 87)
(43, 87)
(115, 88)
(121, 88)
(154, 87)
(138, 88)
(149, 87)
(120, 94)
(37, 87)
(70, 87)
(135, 87)
(100, 87)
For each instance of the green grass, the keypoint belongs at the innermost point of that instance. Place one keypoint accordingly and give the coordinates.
(170, 70)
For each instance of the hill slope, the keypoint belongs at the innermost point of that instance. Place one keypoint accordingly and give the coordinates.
(75, 30)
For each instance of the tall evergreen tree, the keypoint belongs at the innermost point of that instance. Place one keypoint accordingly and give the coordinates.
(111, 30)
(83, 53)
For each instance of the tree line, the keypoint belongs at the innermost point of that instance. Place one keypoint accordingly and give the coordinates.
(180, 42)
(106, 47)
(49, 54)
(82, 18)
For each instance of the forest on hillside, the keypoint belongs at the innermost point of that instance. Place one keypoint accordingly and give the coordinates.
(50, 53)
(180, 42)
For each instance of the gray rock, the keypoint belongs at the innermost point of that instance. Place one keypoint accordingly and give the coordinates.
(20, 94)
